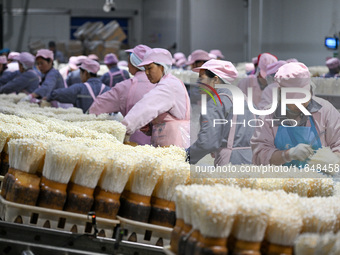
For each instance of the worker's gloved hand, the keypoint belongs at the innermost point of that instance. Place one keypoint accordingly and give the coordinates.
(300, 152)
(35, 100)
(26, 98)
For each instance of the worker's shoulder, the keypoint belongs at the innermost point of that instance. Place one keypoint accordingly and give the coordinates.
(53, 72)
(29, 73)
(323, 102)
(169, 81)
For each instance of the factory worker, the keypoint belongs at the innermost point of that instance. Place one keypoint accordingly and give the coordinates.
(114, 75)
(267, 94)
(57, 55)
(122, 97)
(27, 81)
(3, 67)
(179, 60)
(166, 107)
(198, 58)
(71, 66)
(255, 62)
(5, 75)
(123, 64)
(333, 65)
(229, 143)
(83, 94)
(12, 61)
(289, 60)
(73, 75)
(177, 56)
(249, 68)
(181, 63)
(258, 81)
(5, 52)
(218, 54)
(3, 64)
(51, 79)
(212, 56)
(290, 139)
(93, 57)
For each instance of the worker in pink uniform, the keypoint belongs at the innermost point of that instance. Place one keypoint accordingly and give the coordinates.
(3, 64)
(333, 65)
(179, 60)
(255, 62)
(7, 70)
(71, 66)
(267, 94)
(218, 54)
(295, 140)
(122, 97)
(166, 107)
(197, 58)
(258, 81)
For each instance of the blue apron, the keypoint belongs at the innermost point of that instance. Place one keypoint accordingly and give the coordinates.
(289, 137)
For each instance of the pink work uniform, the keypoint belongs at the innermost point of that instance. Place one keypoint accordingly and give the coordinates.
(121, 98)
(167, 106)
(267, 96)
(327, 119)
(251, 82)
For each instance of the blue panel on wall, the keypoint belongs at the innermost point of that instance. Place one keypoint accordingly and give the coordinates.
(76, 22)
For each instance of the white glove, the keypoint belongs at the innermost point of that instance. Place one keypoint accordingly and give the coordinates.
(26, 98)
(300, 152)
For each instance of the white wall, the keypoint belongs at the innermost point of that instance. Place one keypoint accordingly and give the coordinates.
(159, 23)
(290, 28)
(57, 26)
(219, 24)
(297, 28)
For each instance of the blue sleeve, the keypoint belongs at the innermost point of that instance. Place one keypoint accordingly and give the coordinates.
(8, 76)
(107, 88)
(25, 81)
(47, 86)
(66, 95)
(69, 79)
(73, 78)
(209, 137)
(126, 74)
(105, 79)
(60, 56)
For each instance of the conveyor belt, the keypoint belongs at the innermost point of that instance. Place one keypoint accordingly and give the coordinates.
(27, 240)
